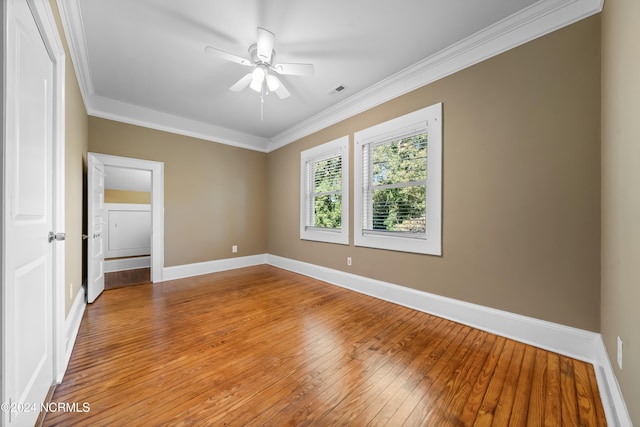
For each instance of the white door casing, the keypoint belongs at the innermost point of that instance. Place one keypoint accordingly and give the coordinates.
(96, 228)
(32, 197)
(97, 217)
(157, 206)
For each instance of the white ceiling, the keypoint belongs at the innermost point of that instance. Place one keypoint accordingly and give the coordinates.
(143, 61)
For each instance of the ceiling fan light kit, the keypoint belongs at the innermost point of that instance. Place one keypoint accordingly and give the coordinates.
(261, 59)
(273, 83)
(257, 77)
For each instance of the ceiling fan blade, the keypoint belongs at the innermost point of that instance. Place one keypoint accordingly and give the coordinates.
(226, 55)
(294, 69)
(242, 83)
(266, 40)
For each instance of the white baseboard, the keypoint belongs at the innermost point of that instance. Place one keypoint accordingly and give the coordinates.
(196, 269)
(72, 324)
(610, 393)
(122, 264)
(572, 342)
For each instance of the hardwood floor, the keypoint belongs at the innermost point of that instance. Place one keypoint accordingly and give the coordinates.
(263, 346)
(119, 279)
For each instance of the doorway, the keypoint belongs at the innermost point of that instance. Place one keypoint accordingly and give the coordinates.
(103, 171)
(127, 201)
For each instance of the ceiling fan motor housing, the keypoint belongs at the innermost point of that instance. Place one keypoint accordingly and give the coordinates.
(253, 53)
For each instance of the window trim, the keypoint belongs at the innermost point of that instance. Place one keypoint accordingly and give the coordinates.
(339, 146)
(430, 118)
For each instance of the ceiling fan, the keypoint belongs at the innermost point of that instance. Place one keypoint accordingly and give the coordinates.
(264, 77)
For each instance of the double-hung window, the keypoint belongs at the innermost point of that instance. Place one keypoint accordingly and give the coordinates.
(324, 197)
(398, 183)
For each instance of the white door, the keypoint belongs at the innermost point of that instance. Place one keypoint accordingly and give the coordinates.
(28, 219)
(96, 223)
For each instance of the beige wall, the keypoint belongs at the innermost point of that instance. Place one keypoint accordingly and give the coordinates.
(215, 195)
(621, 192)
(124, 196)
(76, 134)
(521, 207)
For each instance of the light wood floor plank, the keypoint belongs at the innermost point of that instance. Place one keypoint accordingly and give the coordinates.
(382, 388)
(479, 389)
(449, 405)
(504, 408)
(349, 366)
(434, 379)
(520, 410)
(263, 346)
(569, 395)
(397, 392)
(540, 392)
(357, 363)
(552, 394)
(586, 410)
(491, 397)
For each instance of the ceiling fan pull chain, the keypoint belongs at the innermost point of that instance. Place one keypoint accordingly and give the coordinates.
(261, 107)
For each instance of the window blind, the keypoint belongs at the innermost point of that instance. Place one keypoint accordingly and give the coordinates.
(394, 179)
(324, 192)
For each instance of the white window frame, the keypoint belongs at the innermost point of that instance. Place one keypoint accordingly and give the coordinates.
(340, 147)
(431, 243)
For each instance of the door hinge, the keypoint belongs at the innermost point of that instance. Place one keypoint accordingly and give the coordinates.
(56, 236)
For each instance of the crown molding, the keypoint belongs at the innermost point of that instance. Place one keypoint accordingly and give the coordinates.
(111, 109)
(539, 19)
(535, 21)
(73, 26)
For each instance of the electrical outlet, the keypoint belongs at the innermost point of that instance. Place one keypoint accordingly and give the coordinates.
(349, 261)
(234, 249)
(620, 352)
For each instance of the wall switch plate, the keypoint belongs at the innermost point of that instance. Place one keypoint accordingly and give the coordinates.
(234, 249)
(620, 352)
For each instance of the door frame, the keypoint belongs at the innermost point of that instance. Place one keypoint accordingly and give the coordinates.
(157, 205)
(45, 21)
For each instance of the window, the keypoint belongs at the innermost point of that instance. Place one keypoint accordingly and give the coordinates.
(324, 198)
(398, 183)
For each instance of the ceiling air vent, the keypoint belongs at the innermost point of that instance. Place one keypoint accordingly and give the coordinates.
(337, 89)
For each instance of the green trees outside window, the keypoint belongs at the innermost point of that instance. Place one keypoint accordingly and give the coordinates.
(327, 189)
(397, 185)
